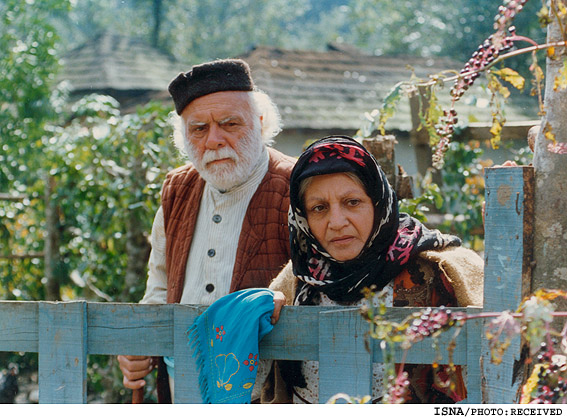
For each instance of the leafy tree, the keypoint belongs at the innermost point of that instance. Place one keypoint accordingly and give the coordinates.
(28, 65)
(94, 174)
(109, 169)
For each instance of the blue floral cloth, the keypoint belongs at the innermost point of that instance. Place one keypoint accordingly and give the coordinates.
(226, 339)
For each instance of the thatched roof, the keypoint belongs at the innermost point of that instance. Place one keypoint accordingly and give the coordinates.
(116, 63)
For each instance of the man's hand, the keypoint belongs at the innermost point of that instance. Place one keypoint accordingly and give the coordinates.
(279, 302)
(134, 369)
(507, 163)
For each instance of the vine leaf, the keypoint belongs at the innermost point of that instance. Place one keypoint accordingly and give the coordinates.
(511, 76)
(499, 334)
(560, 82)
(389, 106)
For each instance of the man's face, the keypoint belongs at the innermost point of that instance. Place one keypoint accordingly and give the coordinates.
(223, 137)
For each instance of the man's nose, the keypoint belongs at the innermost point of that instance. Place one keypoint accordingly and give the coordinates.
(215, 138)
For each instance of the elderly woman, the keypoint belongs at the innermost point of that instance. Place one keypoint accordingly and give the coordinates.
(346, 234)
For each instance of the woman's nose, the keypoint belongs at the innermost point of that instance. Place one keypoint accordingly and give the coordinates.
(337, 218)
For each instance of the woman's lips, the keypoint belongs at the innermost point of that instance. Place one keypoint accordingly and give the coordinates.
(341, 240)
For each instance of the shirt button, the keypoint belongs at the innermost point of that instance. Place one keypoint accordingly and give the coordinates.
(217, 218)
(211, 252)
(209, 288)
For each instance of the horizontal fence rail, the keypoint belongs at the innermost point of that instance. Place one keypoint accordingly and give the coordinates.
(65, 333)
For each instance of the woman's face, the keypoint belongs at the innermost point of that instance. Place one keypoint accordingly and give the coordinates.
(340, 214)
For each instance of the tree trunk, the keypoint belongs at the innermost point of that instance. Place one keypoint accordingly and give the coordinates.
(550, 250)
(52, 240)
(157, 7)
(137, 244)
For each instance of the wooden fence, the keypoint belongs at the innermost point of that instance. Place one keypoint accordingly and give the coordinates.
(65, 333)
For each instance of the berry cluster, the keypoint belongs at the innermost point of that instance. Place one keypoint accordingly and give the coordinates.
(548, 382)
(507, 12)
(398, 389)
(431, 321)
(485, 54)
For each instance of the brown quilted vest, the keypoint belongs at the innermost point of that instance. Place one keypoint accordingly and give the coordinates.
(263, 246)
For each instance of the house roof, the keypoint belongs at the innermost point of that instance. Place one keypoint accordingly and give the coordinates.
(333, 89)
(111, 62)
(329, 90)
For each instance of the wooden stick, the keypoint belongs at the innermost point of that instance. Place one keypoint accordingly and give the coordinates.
(138, 396)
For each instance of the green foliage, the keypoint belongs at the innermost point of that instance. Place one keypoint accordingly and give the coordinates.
(108, 169)
(28, 65)
(430, 198)
(461, 196)
(463, 192)
(194, 31)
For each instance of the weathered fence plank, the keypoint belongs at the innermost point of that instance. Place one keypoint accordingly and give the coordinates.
(127, 328)
(18, 326)
(473, 351)
(344, 363)
(65, 333)
(286, 339)
(508, 257)
(63, 353)
(186, 388)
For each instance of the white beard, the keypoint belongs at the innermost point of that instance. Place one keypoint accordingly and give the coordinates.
(227, 175)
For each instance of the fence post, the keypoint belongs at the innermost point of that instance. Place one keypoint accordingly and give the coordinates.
(345, 365)
(473, 351)
(62, 353)
(186, 388)
(507, 271)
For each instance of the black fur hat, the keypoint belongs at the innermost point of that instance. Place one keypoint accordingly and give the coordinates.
(215, 76)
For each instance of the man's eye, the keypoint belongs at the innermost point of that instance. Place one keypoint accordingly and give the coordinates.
(197, 130)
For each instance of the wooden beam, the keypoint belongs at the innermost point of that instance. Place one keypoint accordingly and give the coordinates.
(510, 131)
(19, 326)
(63, 353)
(507, 271)
(12, 197)
(65, 333)
(343, 355)
(383, 148)
(22, 256)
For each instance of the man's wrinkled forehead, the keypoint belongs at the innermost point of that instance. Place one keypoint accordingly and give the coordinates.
(219, 107)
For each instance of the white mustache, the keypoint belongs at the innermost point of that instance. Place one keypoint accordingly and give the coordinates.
(223, 153)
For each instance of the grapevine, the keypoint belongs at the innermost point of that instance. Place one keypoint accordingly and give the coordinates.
(532, 321)
(500, 45)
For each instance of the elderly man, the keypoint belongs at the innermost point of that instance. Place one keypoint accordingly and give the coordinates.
(222, 224)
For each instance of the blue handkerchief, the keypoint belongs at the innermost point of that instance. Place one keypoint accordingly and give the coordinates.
(225, 339)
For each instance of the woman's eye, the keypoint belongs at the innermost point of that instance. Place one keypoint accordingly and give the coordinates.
(353, 202)
(318, 209)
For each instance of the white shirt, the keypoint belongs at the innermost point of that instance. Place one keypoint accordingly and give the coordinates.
(213, 248)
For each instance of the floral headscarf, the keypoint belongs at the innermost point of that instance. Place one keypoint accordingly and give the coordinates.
(395, 238)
